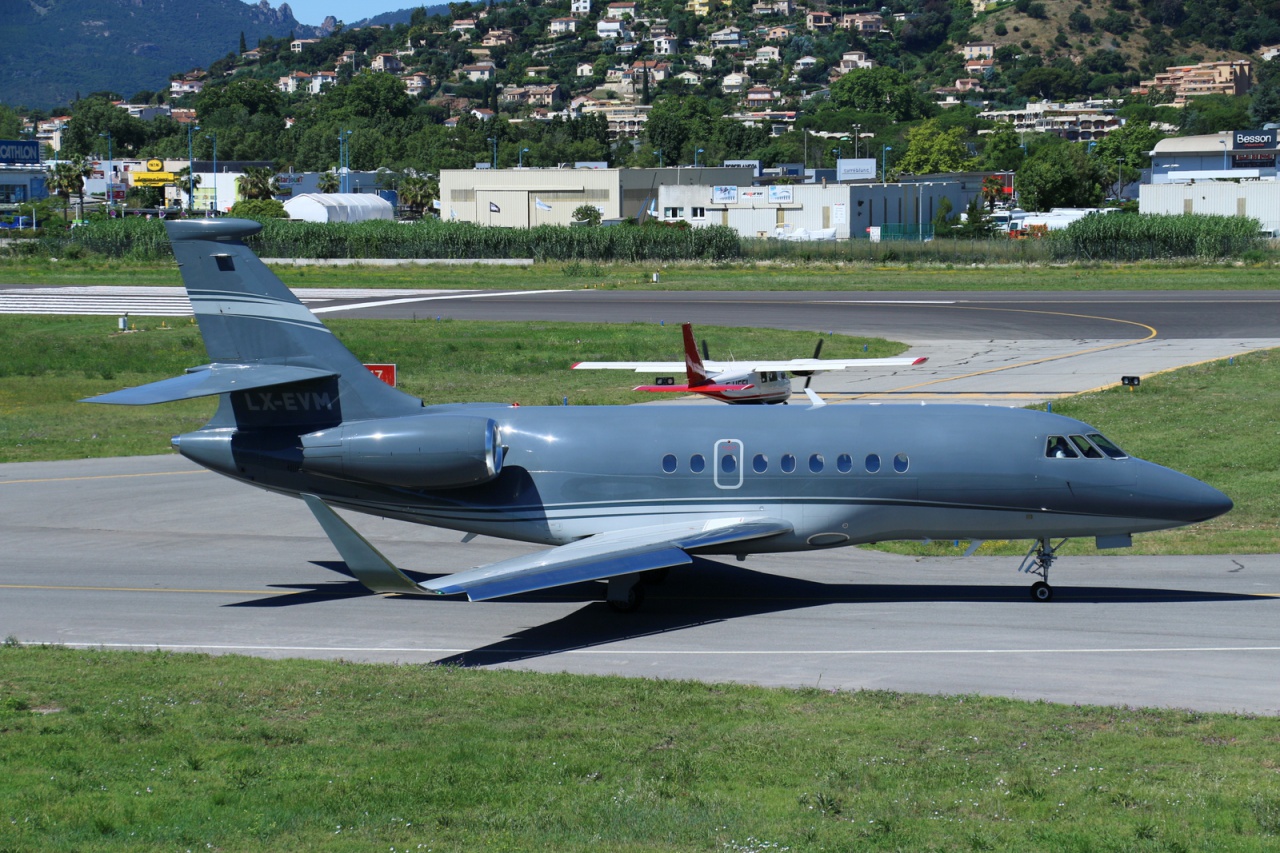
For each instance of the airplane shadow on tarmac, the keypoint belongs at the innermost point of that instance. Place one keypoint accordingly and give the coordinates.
(704, 593)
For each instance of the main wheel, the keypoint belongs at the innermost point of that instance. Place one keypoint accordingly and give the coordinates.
(1041, 591)
(635, 598)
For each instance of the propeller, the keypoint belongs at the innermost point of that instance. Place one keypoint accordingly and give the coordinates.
(816, 351)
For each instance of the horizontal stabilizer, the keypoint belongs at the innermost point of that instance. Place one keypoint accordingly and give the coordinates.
(209, 380)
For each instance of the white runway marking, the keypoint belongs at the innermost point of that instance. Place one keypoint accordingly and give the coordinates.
(649, 652)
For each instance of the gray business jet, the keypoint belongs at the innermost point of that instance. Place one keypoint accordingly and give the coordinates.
(623, 493)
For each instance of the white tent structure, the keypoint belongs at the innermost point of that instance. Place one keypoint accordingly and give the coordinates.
(338, 207)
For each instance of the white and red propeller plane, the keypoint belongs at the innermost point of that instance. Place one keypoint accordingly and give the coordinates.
(739, 381)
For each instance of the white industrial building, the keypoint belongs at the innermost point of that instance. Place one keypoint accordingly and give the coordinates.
(833, 211)
(1257, 199)
(523, 198)
(339, 207)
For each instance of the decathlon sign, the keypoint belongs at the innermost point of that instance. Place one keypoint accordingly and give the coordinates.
(19, 152)
(1254, 139)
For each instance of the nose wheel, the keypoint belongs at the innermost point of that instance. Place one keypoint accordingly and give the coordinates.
(1039, 558)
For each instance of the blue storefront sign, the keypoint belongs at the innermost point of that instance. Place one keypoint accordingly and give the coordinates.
(19, 152)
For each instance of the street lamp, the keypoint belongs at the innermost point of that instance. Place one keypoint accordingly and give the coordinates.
(493, 142)
(191, 168)
(344, 161)
(1119, 177)
(214, 137)
(110, 195)
(857, 133)
(658, 151)
(884, 163)
(1225, 167)
(836, 151)
(695, 155)
(522, 150)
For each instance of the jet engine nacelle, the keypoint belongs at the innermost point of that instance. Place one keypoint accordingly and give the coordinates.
(429, 452)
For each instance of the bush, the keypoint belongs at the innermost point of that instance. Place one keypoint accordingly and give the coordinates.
(259, 208)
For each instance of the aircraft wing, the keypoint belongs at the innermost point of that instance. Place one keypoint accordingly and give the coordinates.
(604, 555)
(696, 389)
(816, 365)
(637, 366)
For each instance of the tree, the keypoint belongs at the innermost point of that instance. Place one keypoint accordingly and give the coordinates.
(992, 191)
(881, 90)
(587, 213)
(259, 209)
(259, 182)
(414, 193)
(187, 183)
(931, 150)
(1003, 151)
(67, 179)
(976, 223)
(1264, 104)
(1061, 175)
(328, 182)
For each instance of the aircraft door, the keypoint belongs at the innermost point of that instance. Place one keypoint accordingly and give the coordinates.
(728, 463)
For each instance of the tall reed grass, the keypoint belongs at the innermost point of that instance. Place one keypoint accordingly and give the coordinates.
(1121, 237)
(1113, 237)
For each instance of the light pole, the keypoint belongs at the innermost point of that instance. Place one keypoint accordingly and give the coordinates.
(214, 137)
(884, 163)
(1225, 167)
(191, 168)
(344, 161)
(1119, 176)
(658, 151)
(522, 150)
(837, 151)
(857, 134)
(695, 156)
(110, 194)
(493, 143)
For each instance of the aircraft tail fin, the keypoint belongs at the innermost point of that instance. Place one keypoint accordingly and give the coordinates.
(276, 364)
(693, 366)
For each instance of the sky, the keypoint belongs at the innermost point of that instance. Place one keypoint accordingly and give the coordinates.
(312, 12)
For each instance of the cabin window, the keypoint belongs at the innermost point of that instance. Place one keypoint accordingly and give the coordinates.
(873, 463)
(844, 463)
(816, 463)
(788, 463)
(901, 463)
(697, 464)
(669, 463)
(760, 463)
(1087, 450)
(1058, 447)
(225, 263)
(728, 463)
(1105, 445)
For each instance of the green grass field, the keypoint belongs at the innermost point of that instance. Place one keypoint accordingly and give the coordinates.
(131, 751)
(746, 276)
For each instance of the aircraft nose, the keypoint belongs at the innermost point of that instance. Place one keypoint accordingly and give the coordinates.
(1186, 499)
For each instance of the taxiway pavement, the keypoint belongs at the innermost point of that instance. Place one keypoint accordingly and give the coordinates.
(153, 552)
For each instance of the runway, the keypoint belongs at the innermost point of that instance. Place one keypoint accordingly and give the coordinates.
(152, 552)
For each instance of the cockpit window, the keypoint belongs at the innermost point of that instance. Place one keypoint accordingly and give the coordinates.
(1107, 447)
(1059, 448)
(1087, 450)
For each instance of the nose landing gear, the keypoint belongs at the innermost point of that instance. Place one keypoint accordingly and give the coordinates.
(1039, 558)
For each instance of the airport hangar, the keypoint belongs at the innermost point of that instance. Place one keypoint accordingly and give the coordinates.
(1232, 173)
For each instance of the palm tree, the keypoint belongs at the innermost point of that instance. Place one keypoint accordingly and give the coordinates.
(328, 182)
(186, 183)
(414, 193)
(259, 182)
(67, 179)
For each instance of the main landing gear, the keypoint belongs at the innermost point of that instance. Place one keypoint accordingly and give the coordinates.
(1039, 558)
(625, 593)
